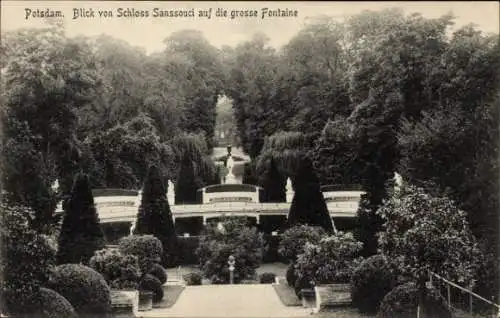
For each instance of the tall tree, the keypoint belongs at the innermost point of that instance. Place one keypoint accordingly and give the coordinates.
(252, 68)
(46, 78)
(119, 157)
(203, 82)
(81, 234)
(154, 215)
(335, 154)
(311, 86)
(194, 147)
(308, 205)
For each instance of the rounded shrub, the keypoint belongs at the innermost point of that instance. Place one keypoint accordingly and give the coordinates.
(147, 248)
(152, 284)
(193, 278)
(120, 271)
(291, 276)
(370, 282)
(159, 272)
(267, 278)
(83, 287)
(402, 302)
(295, 238)
(331, 261)
(54, 305)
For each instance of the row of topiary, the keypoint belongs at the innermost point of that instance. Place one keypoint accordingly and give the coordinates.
(86, 290)
(32, 284)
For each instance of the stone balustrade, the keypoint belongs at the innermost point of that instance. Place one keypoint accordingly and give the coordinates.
(124, 208)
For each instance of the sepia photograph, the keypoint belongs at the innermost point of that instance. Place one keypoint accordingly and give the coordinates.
(258, 159)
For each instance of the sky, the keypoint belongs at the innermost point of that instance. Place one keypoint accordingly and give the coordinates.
(149, 32)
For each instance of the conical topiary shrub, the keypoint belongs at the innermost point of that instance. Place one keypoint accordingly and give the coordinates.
(308, 204)
(154, 216)
(81, 234)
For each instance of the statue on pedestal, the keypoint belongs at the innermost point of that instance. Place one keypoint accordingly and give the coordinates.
(230, 178)
(55, 186)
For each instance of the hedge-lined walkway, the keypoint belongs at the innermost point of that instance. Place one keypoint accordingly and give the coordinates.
(229, 301)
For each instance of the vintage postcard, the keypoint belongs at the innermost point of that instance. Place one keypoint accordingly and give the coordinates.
(250, 159)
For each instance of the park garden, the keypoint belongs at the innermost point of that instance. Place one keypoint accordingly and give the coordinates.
(341, 103)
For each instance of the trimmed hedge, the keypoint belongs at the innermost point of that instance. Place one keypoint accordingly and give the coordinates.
(370, 282)
(230, 188)
(267, 278)
(341, 187)
(152, 284)
(84, 288)
(193, 279)
(159, 272)
(54, 305)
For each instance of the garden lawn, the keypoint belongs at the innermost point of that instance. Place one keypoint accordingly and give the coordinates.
(286, 294)
(170, 295)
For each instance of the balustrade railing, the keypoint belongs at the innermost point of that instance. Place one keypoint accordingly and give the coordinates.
(461, 301)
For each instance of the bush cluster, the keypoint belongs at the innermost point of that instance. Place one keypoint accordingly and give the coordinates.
(120, 271)
(230, 237)
(402, 302)
(418, 223)
(332, 260)
(193, 278)
(84, 288)
(294, 239)
(147, 248)
(25, 261)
